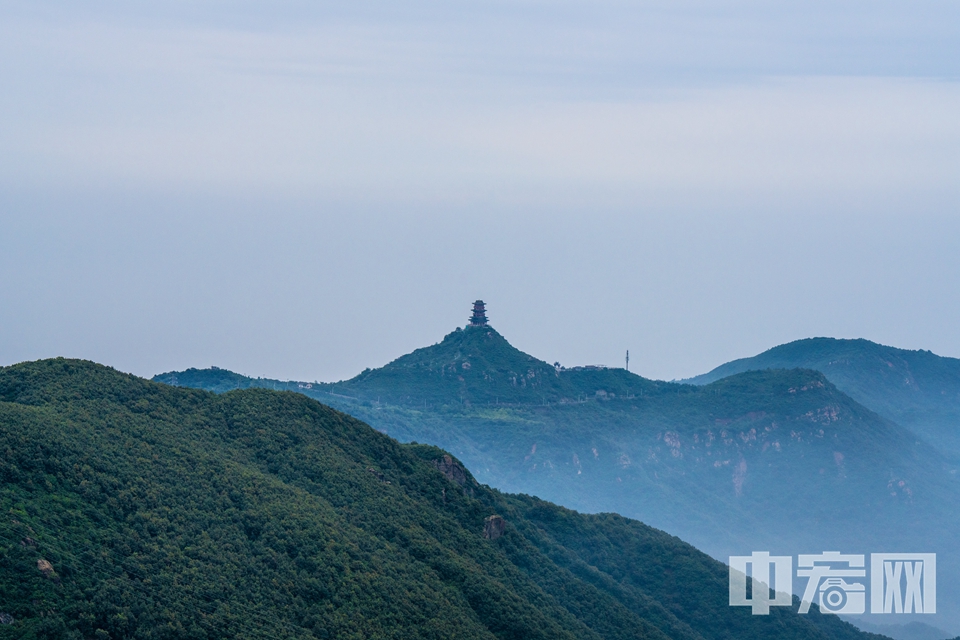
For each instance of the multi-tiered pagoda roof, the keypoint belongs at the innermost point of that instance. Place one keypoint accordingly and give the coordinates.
(479, 317)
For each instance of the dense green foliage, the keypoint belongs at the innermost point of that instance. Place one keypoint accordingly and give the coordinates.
(174, 513)
(768, 459)
(712, 463)
(917, 389)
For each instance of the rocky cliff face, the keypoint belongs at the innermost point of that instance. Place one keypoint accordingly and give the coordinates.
(494, 527)
(451, 469)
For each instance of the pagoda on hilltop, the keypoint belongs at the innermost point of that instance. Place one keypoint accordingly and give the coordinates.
(479, 317)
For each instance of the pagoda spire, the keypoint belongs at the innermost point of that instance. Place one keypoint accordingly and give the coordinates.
(479, 317)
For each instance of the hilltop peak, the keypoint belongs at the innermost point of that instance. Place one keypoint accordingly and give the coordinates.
(477, 365)
(474, 364)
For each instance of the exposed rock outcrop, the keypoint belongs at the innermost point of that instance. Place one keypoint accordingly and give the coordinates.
(451, 469)
(379, 475)
(44, 567)
(494, 527)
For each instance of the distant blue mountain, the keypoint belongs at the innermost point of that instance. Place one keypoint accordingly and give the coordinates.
(917, 389)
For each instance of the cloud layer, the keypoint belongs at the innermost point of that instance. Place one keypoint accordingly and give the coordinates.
(509, 103)
(252, 184)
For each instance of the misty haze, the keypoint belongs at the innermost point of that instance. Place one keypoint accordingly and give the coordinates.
(479, 320)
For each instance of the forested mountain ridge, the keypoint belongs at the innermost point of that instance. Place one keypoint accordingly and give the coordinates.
(775, 459)
(917, 389)
(470, 366)
(139, 510)
(476, 365)
(704, 462)
(609, 436)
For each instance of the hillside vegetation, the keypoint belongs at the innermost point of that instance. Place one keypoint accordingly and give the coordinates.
(138, 510)
(707, 462)
(770, 459)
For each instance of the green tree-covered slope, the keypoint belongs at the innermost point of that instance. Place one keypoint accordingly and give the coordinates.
(132, 509)
(771, 459)
(917, 389)
(477, 366)
(707, 462)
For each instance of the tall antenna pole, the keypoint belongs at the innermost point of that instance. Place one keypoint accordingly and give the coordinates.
(628, 359)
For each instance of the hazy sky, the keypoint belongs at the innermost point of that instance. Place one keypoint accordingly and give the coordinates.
(304, 189)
